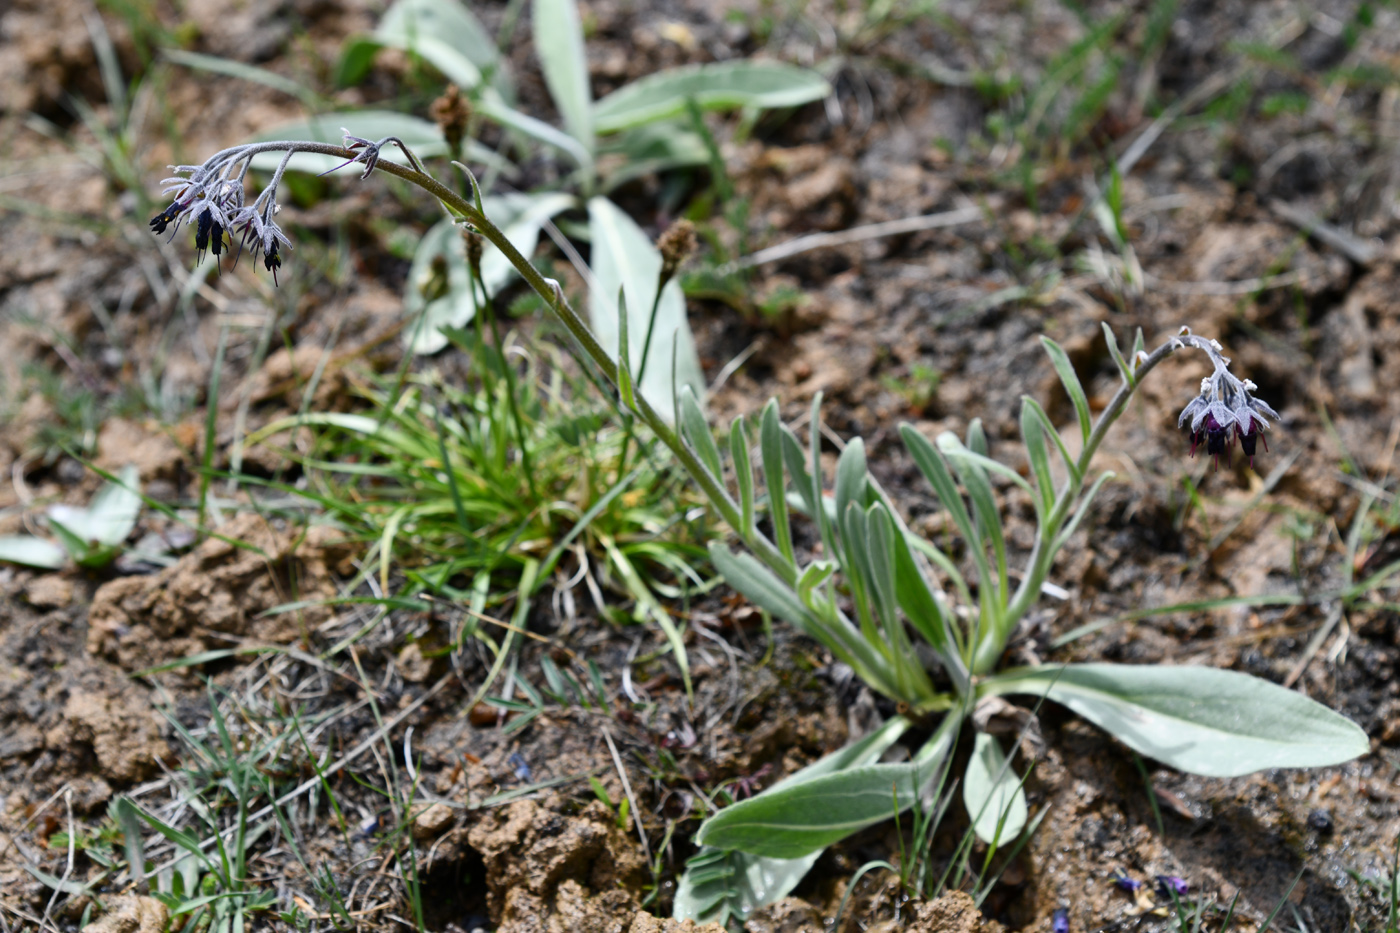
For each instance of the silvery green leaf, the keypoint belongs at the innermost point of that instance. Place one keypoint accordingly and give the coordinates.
(447, 34)
(1039, 413)
(241, 70)
(520, 217)
(954, 450)
(559, 47)
(1082, 510)
(438, 295)
(855, 548)
(919, 598)
(774, 480)
(763, 589)
(1196, 719)
(1065, 370)
(795, 458)
(719, 884)
(111, 515)
(1033, 434)
(930, 463)
(743, 470)
(650, 150)
(882, 533)
(992, 794)
(697, 431)
(813, 576)
(825, 521)
(624, 257)
(850, 484)
(792, 820)
(984, 507)
(492, 106)
(714, 86)
(115, 508)
(32, 552)
(1123, 368)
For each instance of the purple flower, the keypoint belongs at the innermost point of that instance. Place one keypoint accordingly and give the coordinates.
(1059, 921)
(262, 233)
(1166, 884)
(1126, 882)
(165, 218)
(1225, 410)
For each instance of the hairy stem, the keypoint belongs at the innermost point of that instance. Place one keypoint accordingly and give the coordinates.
(1043, 551)
(553, 296)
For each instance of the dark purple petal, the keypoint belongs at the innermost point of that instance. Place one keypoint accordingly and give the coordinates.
(1166, 884)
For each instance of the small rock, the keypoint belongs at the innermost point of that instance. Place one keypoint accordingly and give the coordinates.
(431, 821)
(414, 667)
(1320, 820)
(646, 923)
(20, 740)
(50, 591)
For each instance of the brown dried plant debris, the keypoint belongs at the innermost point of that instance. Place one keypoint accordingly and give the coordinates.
(214, 596)
(128, 913)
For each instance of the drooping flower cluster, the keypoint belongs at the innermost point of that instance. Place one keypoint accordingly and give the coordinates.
(1225, 411)
(211, 196)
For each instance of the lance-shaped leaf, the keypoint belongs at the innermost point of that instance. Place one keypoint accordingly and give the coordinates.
(715, 86)
(793, 820)
(1065, 370)
(1197, 719)
(743, 471)
(1113, 350)
(771, 449)
(697, 432)
(31, 552)
(559, 45)
(763, 589)
(720, 884)
(447, 34)
(992, 794)
(931, 464)
(624, 257)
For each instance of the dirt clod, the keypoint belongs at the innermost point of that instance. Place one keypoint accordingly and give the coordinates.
(432, 820)
(532, 850)
(214, 595)
(123, 736)
(51, 591)
(129, 913)
(954, 912)
(790, 915)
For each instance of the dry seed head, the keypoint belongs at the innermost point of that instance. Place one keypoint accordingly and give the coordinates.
(452, 112)
(473, 241)
(676, 245)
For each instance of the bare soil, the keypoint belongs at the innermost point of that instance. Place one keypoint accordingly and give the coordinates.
(1307, 308)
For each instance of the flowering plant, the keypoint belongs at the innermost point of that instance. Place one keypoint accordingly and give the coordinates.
(894, 607)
